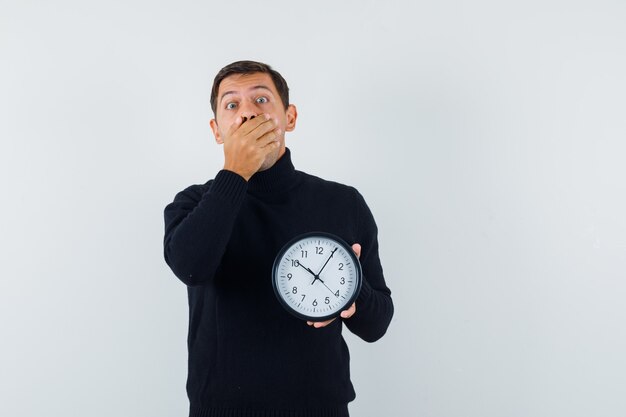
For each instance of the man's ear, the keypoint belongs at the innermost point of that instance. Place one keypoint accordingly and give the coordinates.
(292, 115)
(216, 132)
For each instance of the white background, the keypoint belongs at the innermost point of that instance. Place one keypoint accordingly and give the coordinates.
(486, 136)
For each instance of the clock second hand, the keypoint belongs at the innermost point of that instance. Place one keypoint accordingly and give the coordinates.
(327, 286)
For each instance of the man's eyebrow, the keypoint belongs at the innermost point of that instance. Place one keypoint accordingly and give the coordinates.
(256, 87)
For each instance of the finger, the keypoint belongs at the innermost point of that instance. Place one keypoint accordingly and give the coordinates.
(319, 324)
(346, 314)
(258, 126)
(357, 250)
(245, 125)
(269, 138)
(264, 128)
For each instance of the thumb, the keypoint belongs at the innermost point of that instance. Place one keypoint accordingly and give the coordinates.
(357, 249)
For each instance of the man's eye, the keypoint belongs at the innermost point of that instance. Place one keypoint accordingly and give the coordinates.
(231, 106)
(262, 100)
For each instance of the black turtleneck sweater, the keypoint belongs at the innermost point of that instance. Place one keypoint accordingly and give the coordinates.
(247, 355)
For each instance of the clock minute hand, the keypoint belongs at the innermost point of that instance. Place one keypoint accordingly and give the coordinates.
(331, 255)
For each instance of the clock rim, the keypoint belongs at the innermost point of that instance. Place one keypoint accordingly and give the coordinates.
(347, 247)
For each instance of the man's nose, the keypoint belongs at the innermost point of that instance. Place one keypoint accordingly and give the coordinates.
(245, 116)
(248, 111)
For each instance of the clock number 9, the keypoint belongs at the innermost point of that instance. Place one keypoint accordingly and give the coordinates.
(289, 276)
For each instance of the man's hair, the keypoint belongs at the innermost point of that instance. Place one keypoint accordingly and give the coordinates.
(250, 67)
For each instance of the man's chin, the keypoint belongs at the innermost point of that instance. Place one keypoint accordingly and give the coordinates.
(271, 159)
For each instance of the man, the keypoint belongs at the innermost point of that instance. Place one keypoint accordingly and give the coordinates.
(247, 355)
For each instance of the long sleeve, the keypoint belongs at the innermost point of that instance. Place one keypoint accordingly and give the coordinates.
(374, 307)
(198, 225)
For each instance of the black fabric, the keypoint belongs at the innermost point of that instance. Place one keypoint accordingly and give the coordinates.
(247, 355)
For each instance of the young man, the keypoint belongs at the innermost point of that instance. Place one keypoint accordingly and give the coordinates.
(247, 355)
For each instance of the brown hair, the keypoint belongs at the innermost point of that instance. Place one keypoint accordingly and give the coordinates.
(249, 67)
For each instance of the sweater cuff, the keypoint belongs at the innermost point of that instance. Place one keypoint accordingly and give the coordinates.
(229, 185)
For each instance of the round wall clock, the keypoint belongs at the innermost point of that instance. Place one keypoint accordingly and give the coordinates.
(316, 276)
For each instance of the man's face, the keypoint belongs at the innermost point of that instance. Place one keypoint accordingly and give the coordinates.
(250, 95)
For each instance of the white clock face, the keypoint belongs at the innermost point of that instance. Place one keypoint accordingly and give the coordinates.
(316, 276)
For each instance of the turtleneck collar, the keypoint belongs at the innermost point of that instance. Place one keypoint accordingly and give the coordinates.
(279, 177)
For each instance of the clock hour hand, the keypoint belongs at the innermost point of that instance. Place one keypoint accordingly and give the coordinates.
(324, 266)
(315, 277)
(309, 270)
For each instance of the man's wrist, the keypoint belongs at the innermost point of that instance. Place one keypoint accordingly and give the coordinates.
(242, 174)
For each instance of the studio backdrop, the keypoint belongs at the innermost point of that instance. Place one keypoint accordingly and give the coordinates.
(487, 137)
